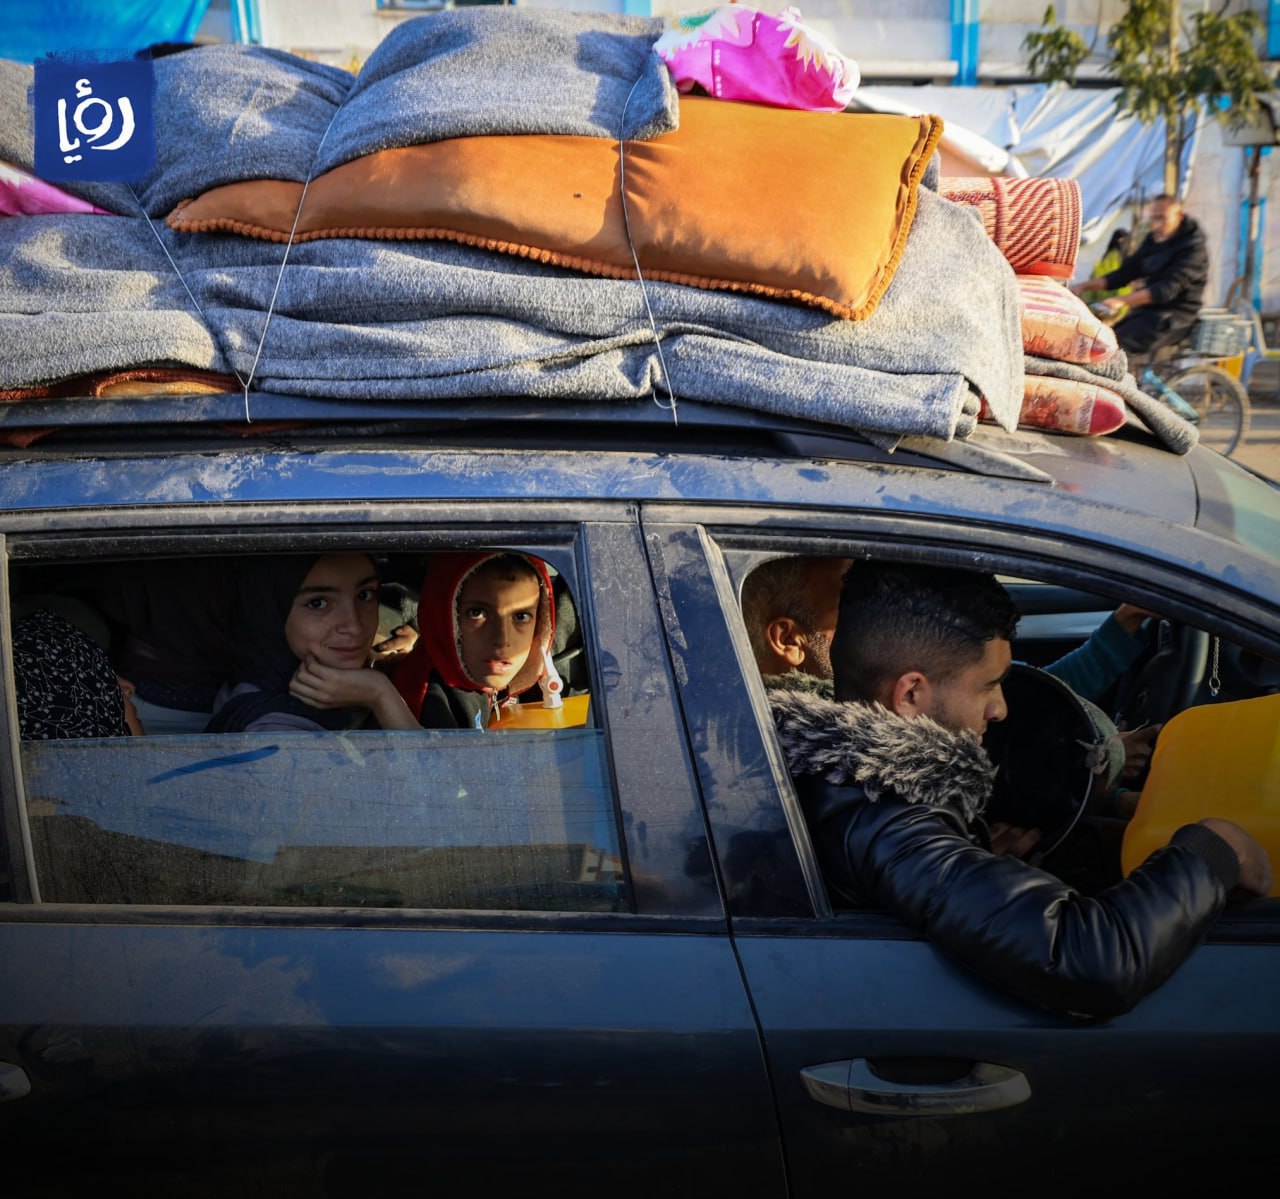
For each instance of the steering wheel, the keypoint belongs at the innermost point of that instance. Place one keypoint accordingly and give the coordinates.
(1042, 751)
(1169, 680)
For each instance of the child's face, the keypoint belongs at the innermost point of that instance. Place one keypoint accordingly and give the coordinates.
(496, 622)
(334, 615)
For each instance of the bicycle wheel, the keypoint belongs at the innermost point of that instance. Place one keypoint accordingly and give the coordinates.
(1220, 400)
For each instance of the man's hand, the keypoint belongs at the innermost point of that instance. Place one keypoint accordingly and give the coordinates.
(1255, 866)
(1138, 744)
(1008, 840)
(1130, 617)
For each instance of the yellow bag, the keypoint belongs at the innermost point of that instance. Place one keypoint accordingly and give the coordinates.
(1217, 760)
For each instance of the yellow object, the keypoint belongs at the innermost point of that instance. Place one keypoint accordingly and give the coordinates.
(572, 714)
(1217, 760)
(1233, 365)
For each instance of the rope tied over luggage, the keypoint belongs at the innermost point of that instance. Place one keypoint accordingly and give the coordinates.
(635, 258)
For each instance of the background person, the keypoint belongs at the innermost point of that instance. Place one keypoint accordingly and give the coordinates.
(1168, 270)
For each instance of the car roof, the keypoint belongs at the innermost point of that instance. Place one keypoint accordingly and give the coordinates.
(634, 450)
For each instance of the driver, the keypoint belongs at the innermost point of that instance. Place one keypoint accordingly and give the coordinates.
(893, 780)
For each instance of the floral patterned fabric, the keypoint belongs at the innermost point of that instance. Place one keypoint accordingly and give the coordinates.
(1058, 324)
(1069, 406)
(65, 684)
(739, 53)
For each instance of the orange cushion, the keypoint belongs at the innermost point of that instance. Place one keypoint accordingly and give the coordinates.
(811, 207)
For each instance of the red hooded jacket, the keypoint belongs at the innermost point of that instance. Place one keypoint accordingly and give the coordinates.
(436, 658)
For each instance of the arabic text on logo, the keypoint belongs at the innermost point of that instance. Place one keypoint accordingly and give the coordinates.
(93, 120)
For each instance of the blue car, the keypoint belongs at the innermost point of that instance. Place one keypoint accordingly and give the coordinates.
(587, 949)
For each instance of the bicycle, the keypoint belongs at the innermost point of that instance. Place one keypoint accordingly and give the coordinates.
(1193, 383)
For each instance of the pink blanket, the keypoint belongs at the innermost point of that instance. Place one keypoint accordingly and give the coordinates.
(23, 194)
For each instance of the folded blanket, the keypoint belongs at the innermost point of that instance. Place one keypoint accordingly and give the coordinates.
(227, 113)
(435, 320)
(674, 220)
(1034, 222)
(1112, 372)
(1057, 324)
(1070, 406)
(427, 320)
(138, 381)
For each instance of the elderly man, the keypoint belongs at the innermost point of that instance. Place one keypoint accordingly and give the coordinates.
(789, 606)
(1168, 270)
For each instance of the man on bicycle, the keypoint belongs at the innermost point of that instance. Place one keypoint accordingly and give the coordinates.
(1169, 271)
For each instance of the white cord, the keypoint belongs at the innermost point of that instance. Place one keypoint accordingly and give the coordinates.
(183, 281)
(644, 291)
(297, 216)
(671, 407)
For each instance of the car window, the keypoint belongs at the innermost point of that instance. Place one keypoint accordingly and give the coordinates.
(516, 814)
(436, 819)
(1092, 701)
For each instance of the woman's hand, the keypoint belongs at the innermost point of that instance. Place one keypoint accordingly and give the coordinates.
(330, 687)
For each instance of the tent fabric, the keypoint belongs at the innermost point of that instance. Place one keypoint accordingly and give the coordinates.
(31, 30)
(1051, 130)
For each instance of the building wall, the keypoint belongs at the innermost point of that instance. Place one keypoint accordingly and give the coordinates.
(891, 39)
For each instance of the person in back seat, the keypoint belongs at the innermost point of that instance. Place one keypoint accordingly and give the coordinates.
(66, 687)
(485, 627)
(305, 627)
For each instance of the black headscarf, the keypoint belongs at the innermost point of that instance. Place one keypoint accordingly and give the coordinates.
(66, 686)
(263, 591)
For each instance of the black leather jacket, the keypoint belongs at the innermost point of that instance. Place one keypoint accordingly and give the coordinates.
(906, 838)
(1175, 271)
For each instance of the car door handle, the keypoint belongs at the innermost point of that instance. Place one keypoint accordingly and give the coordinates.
(14, 1083)
(853, 1086)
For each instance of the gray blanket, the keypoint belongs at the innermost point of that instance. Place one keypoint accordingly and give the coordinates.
(428, 320)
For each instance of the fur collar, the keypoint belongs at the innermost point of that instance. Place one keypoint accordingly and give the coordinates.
(917, 760)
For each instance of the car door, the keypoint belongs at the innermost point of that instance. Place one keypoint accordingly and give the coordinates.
(599, 1036)
(894, 1067)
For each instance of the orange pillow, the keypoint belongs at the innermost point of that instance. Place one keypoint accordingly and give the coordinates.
(811, 207)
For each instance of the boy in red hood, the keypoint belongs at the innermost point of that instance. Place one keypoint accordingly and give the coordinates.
(485, 622)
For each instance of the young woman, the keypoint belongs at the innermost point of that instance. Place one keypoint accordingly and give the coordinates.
(305, 628)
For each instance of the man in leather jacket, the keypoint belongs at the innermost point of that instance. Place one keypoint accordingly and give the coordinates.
(1168, 271)
(893, 781)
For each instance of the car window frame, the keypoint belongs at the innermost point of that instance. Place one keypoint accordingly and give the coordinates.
(735, 543)
(666, 820)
